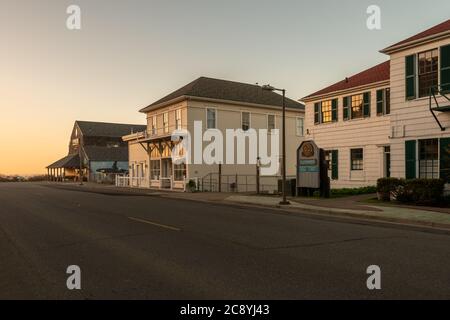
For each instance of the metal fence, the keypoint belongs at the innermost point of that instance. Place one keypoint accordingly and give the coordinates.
(238, 183)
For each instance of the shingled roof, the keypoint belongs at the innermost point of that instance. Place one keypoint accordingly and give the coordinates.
(103, 129)
(70, 161)
(436, 30)
(210, 88)
(95, 153)
(375, 74)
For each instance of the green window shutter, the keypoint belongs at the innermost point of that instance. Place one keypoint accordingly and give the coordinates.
(410, 159)
(445, 68)
(410, 72)
(380, 102)
(335, 165)
(334, 110)
(316, 113)
(445, 159)
(346, 104)
(366, 106)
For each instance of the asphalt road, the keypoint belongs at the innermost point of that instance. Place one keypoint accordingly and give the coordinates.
(148, 247)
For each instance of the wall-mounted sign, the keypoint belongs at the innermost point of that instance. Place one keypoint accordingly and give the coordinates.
(308, 165)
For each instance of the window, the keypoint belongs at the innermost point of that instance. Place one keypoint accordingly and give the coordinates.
(428, 71)
(211, 118)
(179, 172)
(383, 101)
(178, 119)
(155, 169)
(166, 122)
(153, 125)
(429, 159)
(326, 111)
(357, 159)
(357, 106)
(270, 122)
(299, 127)
(245, 118)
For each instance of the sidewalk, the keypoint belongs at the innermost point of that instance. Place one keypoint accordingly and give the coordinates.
(351, 207)
(354, 206)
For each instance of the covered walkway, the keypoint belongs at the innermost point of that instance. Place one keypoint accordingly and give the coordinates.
(67, 168)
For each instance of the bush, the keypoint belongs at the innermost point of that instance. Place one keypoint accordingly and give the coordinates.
(191, 186)
(421, 191)
(387, 187)
(352, 191)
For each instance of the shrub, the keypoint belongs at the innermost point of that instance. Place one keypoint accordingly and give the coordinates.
(421, 191)
(387, 187)
(352, 191)
(191, 186)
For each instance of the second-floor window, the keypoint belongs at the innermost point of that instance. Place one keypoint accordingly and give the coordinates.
(383, 101)
(422, 72)
(325, 111)
(245, 121)
(299, 127)
(211, 118)
(178, 119)
(357, 106)
(166, 122)
(270, 122)
(428, 71)
(152, 122)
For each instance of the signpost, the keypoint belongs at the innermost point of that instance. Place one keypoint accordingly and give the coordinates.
(312, 171)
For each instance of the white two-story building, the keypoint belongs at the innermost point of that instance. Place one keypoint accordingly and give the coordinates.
(213, 105)
(390, 120)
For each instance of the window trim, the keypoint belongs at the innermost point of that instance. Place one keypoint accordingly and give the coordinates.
(215, 117)
(303, 126)
(417, 74)
(351, 159)
(274, 122)
(249, 120)
(179, 110)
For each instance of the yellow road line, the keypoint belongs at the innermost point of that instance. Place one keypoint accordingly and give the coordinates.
(155, 224)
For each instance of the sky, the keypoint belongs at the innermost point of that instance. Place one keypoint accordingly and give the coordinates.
(130, 53)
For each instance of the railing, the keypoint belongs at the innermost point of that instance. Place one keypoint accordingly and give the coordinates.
(138, 182)
(237, 183)
(442, 91)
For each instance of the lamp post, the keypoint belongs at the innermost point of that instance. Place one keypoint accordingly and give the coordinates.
(283, 143)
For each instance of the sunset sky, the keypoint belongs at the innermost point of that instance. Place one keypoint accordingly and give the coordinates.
(130, 53)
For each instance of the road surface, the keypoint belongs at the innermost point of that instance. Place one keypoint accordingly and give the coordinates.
(149, 247)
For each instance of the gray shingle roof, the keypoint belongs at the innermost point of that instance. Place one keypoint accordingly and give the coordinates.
(103, 129)
(70, 161)
(95, 153)
(211, 88)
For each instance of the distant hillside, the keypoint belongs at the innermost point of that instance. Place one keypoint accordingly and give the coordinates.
(18, 178)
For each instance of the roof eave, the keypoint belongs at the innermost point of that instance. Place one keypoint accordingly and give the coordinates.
(410, 44)
(345, 91)
(185, 97)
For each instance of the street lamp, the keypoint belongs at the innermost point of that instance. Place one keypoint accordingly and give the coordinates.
(283, 143)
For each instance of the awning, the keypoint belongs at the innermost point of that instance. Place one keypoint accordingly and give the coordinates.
(71, 161)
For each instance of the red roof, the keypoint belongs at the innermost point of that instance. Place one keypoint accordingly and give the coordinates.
(442, 27)
(375, 74)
